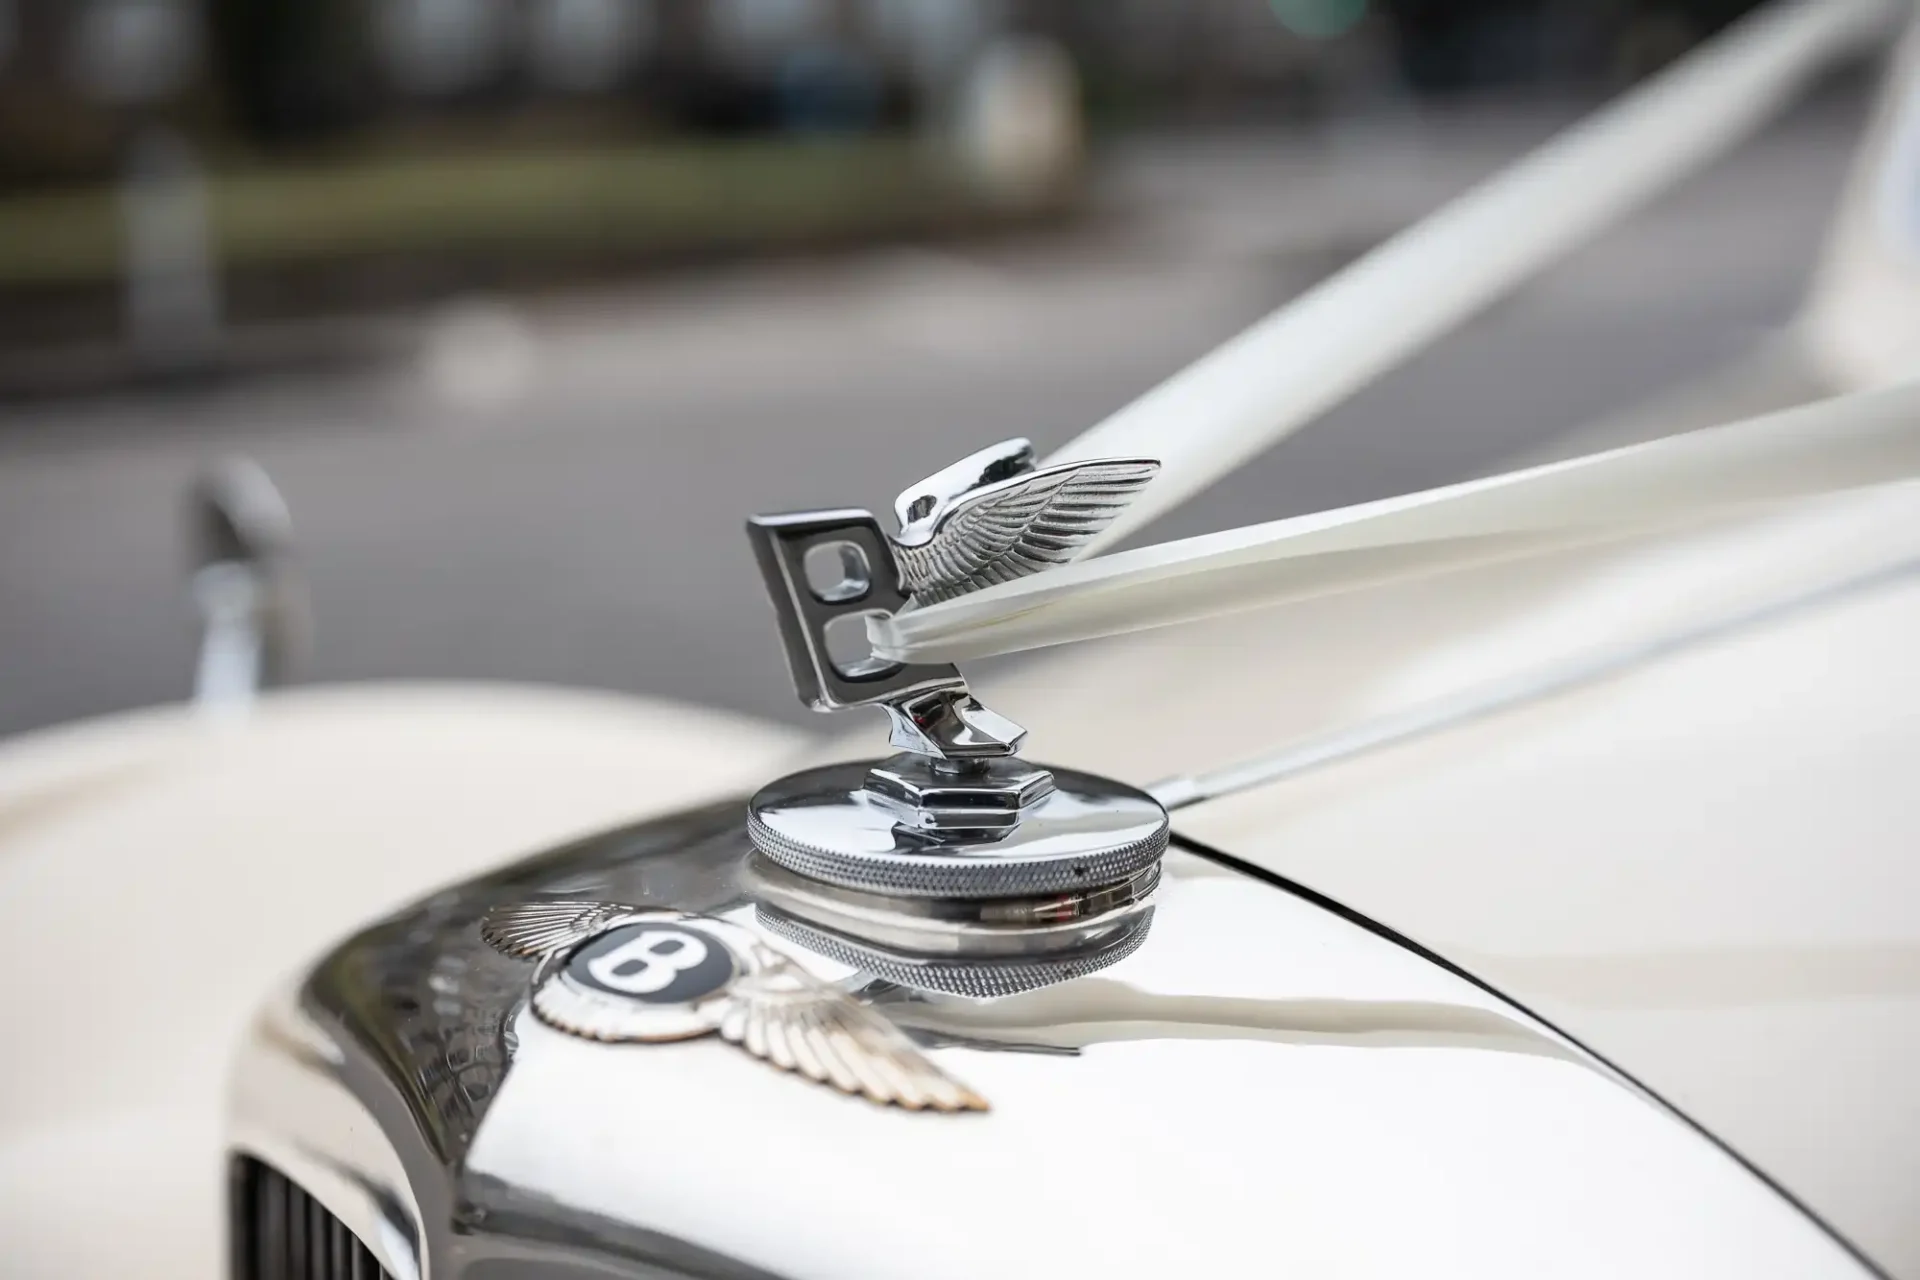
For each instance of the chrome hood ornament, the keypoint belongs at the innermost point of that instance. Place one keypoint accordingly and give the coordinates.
(991, 517)
(955, 849)
(994, 517)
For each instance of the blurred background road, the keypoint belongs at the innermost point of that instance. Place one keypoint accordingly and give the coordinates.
(519, 444)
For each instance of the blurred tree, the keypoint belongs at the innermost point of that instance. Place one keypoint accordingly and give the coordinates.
(293, 70)
(1466, 45)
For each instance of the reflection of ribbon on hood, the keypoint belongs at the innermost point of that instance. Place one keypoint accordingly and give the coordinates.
(1101, 1010)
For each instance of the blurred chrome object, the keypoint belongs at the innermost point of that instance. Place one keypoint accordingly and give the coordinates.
(858, 850)
(173, 305)
(249, 597)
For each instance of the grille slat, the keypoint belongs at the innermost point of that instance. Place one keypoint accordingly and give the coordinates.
(317, 1223)
(268, 1220)
(282, 1233)
(291, 1257)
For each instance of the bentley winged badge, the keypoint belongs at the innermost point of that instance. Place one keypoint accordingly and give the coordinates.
(613, 972)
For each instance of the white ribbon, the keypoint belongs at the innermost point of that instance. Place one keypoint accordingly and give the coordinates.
(1847, 442)
(1308, 356)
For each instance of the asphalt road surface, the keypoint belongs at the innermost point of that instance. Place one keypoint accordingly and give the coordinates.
(555, 493)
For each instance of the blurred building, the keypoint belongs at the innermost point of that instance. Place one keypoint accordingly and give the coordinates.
(174, 170)
(266, 74)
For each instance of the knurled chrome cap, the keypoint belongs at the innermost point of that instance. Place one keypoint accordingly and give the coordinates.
(830, 824)
(962, 976)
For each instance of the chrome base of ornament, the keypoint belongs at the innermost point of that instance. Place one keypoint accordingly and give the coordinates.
(997, 878)
(958, 928)
(955, 851)
(907, 827)
(979, 978)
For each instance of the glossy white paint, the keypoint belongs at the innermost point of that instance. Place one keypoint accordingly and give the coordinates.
(1703, 868)
(159, 873)
(1263, 1088)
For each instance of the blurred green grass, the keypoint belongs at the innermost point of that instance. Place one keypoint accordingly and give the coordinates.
(653, 200)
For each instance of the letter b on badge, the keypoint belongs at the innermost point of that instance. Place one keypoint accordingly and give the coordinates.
(648, 962)
(656, 962)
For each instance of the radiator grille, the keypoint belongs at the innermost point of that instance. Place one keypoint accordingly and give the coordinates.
(282, 1233)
